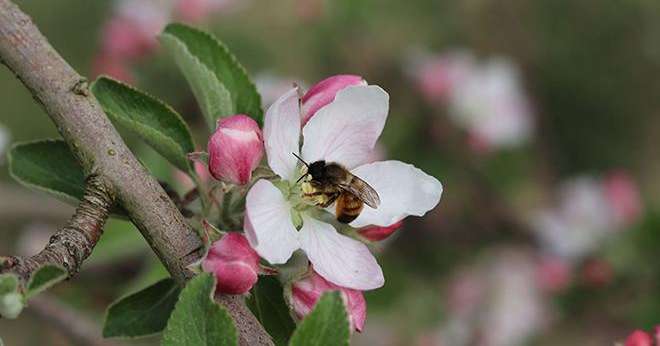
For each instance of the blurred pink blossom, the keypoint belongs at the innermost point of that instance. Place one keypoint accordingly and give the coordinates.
(554, 274)
(639, 338)
(234, 263)
(195, 11)
(306, 292)
(623, 194)
(597, 272)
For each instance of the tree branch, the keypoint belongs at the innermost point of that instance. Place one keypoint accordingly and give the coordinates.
(64, 95)
(73, 243)
(81, 330)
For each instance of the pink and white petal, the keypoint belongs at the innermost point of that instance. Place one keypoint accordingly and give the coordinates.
(403, 190)
(282, 134)
(339, 259)
(268, 223)
(345, 131)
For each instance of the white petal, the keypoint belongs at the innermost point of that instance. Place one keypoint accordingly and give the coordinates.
(403, 190)
(282, 134)
(345, 131)
(268, 223)
(339, 259)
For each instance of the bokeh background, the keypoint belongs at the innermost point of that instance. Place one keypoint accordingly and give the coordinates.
(541, 118)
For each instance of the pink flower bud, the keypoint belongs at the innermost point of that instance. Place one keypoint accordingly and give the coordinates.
(377, 233)
(639, 338)
(324, 92)
(234, 263)
(306, 292)
(656, 335)
(235, 149)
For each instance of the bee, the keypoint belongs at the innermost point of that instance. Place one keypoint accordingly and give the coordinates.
(330, 182)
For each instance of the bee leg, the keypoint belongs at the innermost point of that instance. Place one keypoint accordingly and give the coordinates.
(331, 199)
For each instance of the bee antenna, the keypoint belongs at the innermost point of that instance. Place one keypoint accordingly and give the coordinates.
(299, 179)
(301, 160)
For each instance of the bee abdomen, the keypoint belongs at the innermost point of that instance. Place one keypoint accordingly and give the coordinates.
(348, 207)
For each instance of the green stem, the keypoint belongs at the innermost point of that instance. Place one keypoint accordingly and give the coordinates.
(203, 195)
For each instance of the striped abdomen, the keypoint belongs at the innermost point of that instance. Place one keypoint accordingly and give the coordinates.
(348, 207)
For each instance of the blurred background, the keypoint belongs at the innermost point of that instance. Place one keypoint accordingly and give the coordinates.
(541, 118)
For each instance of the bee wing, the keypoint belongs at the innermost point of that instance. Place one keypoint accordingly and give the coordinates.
(363, 191)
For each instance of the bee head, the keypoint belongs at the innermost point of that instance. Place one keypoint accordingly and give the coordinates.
(316, 169)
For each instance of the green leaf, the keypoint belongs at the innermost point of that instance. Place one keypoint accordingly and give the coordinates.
(149, 118)
(197, 319)
(142, 313)
(268, 305)
(8, 283)
(45, 277)
(48, 165)
(220, 84)
(326, 325)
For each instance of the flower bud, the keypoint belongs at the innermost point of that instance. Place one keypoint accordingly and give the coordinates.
(639, 338)
(235, 149)
(306, 292)
(234, 263)
(324, 92)
(377, 233)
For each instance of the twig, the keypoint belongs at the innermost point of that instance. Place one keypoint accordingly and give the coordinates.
(77, 327)
(64, 95)
(73, 243)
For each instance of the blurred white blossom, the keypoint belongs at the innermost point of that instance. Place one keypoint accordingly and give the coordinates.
(497, 302)
(588, 212)
(485, 98)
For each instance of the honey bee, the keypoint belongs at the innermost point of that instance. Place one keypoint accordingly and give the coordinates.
(330, 182)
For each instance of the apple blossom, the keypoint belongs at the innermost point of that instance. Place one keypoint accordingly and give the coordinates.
(234, 263)
(235, 149)
(306, 292)
(279, 221)
(324, 92)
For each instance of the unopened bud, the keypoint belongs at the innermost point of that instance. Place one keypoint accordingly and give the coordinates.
(235, 149)
(234, 263)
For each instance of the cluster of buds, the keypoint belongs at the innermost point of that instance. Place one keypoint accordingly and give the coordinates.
(236, 149)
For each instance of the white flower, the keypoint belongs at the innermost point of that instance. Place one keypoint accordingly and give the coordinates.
(490, 102)
(344, 131)
(580, 222)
